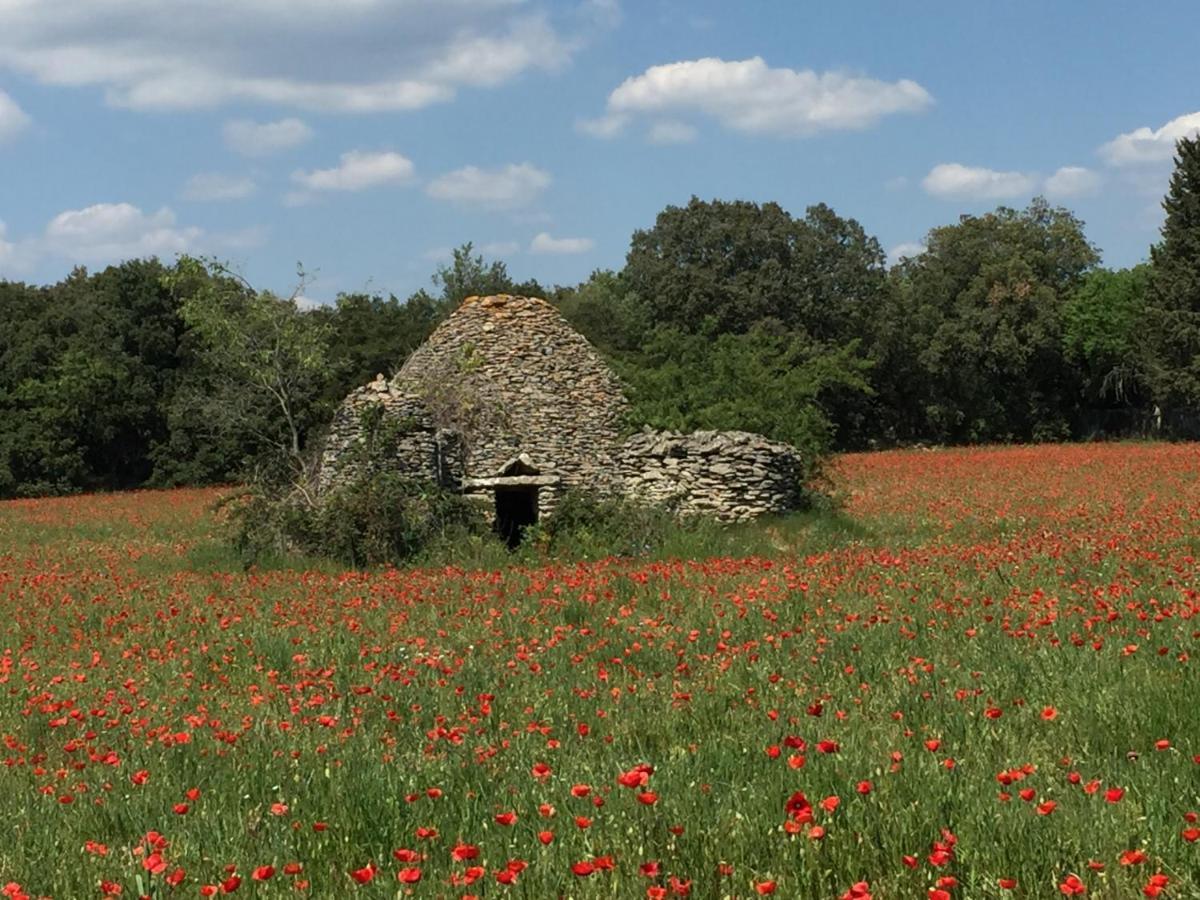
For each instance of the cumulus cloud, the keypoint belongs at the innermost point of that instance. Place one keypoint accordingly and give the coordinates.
(954, 180)
(1147, 145)
(112, 232)
(373, 55)
(750, 96)
(608, 126)
(671, 132)
(1072, 181)
(214, 186)
(251, 138)
(905, 251)
(514, 185)
(13, 119)
(358, 170)
(544, 243)
(106, 232)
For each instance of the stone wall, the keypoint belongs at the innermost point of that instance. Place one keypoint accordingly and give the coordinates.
(415, 445)
(728, 475)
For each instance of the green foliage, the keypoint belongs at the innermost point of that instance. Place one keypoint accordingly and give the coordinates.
(606, 312)
(1101, 321)
(1173, 302)
(588, 526)
(265, 364)
(731, 266)
(471, 276)
(772, 384)
(384, 518)
(971, 347)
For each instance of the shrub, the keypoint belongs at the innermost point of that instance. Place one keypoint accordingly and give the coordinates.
(375, 520)
(587, 525)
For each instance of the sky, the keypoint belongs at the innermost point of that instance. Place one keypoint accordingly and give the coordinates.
(359, 141)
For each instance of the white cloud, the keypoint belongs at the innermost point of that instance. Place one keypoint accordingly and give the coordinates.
(358, 170)
(13, 119)
(958, 181)
(262, 139)
(608, 126)
(670, 131)
(108, 232)
(544, 243)
(1146, 145)
(907, 249)
(750, 96)
(334, 55)
(1072, 181)
(213, 186)
(509, 187)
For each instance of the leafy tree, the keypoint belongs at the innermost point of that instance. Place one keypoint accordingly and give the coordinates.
(87, 371)
(369, 335)
(775, 384)
(1102, 320)
(1173, 302)
(971, 345)
(471, 276)
(264, 365)
(735, 265)
(606, 312)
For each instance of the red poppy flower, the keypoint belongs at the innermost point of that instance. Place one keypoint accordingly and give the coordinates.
(1072, 886)
(462, 852)
(263, 873)
(409, 875)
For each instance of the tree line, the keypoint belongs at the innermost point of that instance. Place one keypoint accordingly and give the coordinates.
(726, 314)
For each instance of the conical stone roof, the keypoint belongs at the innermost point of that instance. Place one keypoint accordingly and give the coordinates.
(514, 377)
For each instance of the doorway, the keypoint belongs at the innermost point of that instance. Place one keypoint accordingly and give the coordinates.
(516, 510)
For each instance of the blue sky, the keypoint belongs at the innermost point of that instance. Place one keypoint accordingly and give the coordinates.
(364, 138)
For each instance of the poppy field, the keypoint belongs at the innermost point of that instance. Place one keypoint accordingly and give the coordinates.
(989, 691)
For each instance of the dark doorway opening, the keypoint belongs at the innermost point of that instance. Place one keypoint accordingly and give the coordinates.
(516, 510)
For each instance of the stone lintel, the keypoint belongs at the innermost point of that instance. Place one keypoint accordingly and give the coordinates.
(503, 481)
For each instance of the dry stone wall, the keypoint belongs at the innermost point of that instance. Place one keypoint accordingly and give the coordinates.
(728, 475)
(415, 445)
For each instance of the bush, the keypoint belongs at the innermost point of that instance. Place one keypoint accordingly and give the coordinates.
(587, 525)
(376, 520)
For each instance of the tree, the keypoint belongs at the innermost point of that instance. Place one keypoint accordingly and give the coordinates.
(605, 311)
(1101, 322)
(776, 384)
(471, 276)
(1173, 302)
(264, 365)
(971, 346)
(731, 266)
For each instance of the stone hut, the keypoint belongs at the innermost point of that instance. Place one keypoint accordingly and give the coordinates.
(506, 402)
